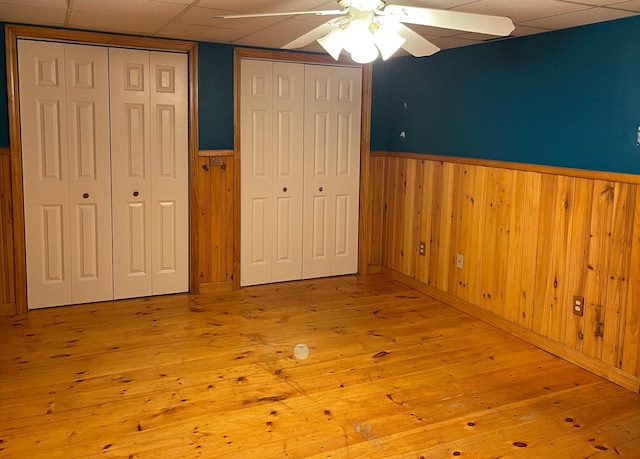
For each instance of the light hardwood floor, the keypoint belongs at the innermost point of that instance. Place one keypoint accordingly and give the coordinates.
(391, 373)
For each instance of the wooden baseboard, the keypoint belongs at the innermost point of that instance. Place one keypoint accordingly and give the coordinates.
(372, 269)
(215, 287)
(8, 309)
(612, 374)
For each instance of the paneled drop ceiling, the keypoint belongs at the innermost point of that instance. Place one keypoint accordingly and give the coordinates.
(193, 19)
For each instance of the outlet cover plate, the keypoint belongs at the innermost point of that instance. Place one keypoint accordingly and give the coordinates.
(578, 305)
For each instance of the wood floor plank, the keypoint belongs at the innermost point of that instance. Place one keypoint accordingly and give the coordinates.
(390, 373)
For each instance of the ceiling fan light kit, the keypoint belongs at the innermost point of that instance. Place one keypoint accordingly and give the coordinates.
(363, 38)
(371, 28)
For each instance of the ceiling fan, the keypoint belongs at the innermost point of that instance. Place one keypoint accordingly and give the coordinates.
(368, 28)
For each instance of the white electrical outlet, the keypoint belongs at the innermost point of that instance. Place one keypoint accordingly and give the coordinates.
(459, 261)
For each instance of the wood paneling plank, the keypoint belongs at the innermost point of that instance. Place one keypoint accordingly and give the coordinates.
(427, 219)
(491, 206)
(499, 279)
(544, 279)
(412, 216)
(553, 306)
(7, 278)
(515, 260)
(465, 230)
(577, 261)
(445, 257)
(619, 252)
(473, 259)
(377, 183)
(436, 224)
(631, 346)
(418, 219)
(457, 195)
(204, 222)
(598, 267)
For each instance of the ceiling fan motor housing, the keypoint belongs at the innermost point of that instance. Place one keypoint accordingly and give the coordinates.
(362, 5)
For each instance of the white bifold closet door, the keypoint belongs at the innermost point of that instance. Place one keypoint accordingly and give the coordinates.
(105, 158)
(64, 116)
(271, 171)
(150, 171)
(300, 169)
(331, 170)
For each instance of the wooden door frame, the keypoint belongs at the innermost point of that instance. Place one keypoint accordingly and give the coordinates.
(12, 34)
(364, 216)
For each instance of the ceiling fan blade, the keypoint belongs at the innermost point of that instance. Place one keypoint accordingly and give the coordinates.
(313, 34)
(292, 13)
(415, 44)
(469, 22)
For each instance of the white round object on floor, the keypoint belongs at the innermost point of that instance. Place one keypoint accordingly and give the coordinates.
(301, 351)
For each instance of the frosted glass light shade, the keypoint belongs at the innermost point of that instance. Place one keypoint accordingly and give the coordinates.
(365, 53)
(332, 42)
(362, 38)
(359, 40)
(387, 40)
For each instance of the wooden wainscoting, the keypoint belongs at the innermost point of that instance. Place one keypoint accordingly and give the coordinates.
(215, 220)
(532, 238)
(7, 282)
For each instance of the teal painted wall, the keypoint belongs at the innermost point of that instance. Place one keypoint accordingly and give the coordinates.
(215, 92)
(567, 98)
(215, 74)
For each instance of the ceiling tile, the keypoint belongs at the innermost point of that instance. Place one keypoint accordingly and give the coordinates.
(267, 6)
(522, 31)
(204, 16)
(133, 10)
(120, 24)
(578, 18)
(32, 15)
(199, 33)
(633, 5)
(182, 2)
(599, 2)
(60, 4)
(266, 39)
(521, 10)
(452, 42)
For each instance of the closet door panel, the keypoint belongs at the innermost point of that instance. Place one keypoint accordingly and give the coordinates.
(45, 172)
(317, 219)
(89, 150)
(332, 170)
(271, 171)
(130, 169)
(287, 108)
(169, 172)
(319, 162)
(346, 169)
(256, 172)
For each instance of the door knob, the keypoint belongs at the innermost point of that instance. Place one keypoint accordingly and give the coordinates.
(85, 196)
(135, 193)
(284, 189)
(320, 189)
